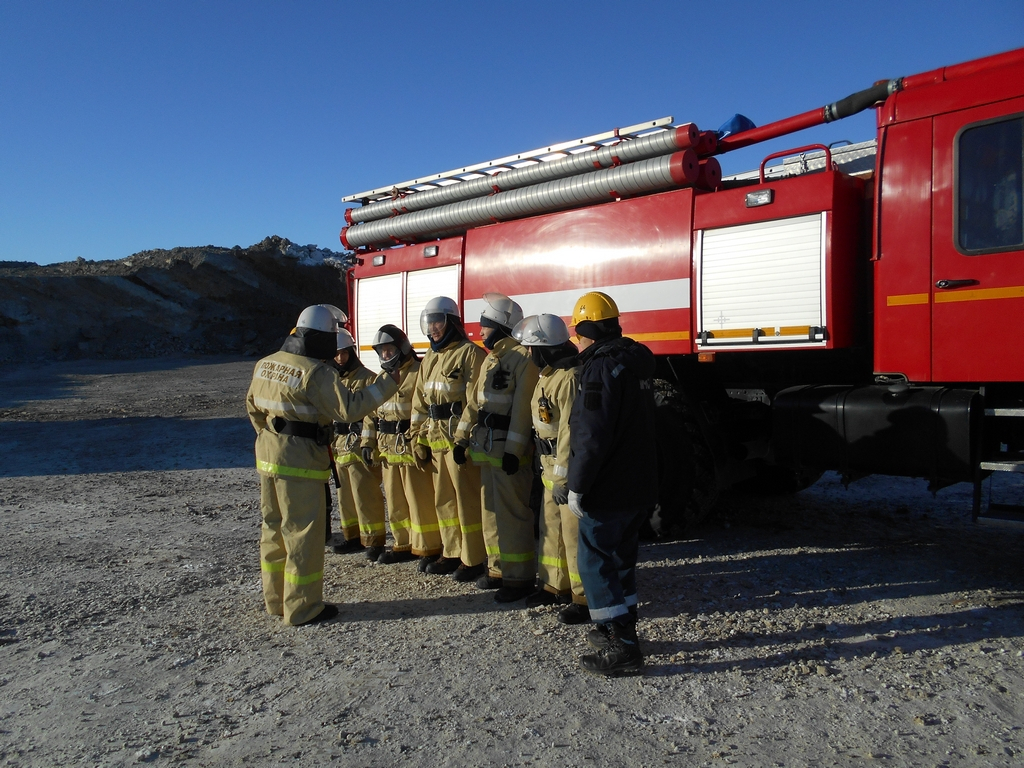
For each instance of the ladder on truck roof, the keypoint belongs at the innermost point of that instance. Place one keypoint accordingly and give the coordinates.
(853, 159)
(519, 160)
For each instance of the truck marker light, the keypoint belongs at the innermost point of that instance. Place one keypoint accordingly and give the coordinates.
(761, 197)
(378, 260)
(705, 357)
(430, 250)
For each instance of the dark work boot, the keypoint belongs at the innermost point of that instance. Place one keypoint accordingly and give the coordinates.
(425, 562)
(348, 547)
(443, 565)
(574, 614)
(488, 582)
(372, 553)
(511, 594)
(598, 637)
(390, 557)
(541, 597)
(467, 573)
(621, 657)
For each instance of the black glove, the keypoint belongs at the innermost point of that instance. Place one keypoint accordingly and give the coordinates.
(368, 456)
(459, 454)
(510, 463)
(560, 494)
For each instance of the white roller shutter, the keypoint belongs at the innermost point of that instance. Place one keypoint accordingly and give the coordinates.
(378, 301)
(767, 276)
(420, 288)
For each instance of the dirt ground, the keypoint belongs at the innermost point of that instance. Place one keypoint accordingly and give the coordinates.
(870, 626)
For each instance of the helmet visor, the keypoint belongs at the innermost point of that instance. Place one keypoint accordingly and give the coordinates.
(433, 321)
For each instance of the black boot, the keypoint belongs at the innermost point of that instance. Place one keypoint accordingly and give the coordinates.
(425, 561)
(349, 547)
(574, 614)
(598, 637)
(391, 557)
(512, 594)
(467, 573)
(621, 657)
(443, 565)
(372, 553)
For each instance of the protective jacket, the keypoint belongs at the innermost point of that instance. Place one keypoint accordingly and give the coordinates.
(351, 437)
(288, 388)
(612, 456)
(551, 405)
(497, 415)
(440, 394)
(389, 427)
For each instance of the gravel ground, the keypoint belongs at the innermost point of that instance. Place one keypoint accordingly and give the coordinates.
(868, 626)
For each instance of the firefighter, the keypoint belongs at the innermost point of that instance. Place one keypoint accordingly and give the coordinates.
(449, 370)
(408, 488)
(360, 501)
(613, 477)
(292, 402)
(547, 338)
(494, 432)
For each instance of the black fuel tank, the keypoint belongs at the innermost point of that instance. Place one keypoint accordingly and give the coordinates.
(931, 432)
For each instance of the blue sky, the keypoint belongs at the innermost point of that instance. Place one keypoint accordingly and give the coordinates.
(133, 125)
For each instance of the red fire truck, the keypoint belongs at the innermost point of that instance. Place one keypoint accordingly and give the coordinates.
(851, 308)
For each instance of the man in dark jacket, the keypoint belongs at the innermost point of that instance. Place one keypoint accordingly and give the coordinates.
(613, 477)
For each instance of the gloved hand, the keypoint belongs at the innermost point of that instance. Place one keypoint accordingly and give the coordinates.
(459, 454)
(510, 463)
(574, 504)
(422, 454)
(560, 494)
(368, 456)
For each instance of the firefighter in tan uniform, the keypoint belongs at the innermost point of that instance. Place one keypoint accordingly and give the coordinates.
(494, 432)
(292, 402)
(449, 370)
(409, 489)
(547, 338)
(360, 501)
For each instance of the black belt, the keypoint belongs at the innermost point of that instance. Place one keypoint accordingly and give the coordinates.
(305, 429)
(546, 447)
(351, 428)
(493, 420)
(445, 410)
(386, 427)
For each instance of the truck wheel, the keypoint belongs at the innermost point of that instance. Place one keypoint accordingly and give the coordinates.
(687, 481)
(780, 481)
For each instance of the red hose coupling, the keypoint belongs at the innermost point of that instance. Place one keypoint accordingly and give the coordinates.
(684, 167)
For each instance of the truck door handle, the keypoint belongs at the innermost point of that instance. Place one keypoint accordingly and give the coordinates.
(947, 284)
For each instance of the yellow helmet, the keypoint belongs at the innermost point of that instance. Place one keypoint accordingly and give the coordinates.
(594, 306)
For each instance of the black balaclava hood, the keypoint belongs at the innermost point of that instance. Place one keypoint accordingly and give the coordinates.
(402, 342)
(545, 356)
(453, 329)
(500, 332)
(351, 364)
(599, 330)
(311, 343)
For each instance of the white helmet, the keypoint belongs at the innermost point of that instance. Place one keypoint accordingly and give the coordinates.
(322, 317)
(436, 311)
(541, 331)
(502, 310)
(345, 340)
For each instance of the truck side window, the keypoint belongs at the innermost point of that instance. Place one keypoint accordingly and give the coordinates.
(989, 187)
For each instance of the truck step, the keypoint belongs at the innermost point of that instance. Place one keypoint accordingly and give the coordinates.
(1003, 466)
(1003, 516)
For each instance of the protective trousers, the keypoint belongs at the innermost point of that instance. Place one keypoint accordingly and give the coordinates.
(410, 497)
(361, 503)
(292, 547)
(607, 560)
(508, 525)
(457, 502)
(559, 536)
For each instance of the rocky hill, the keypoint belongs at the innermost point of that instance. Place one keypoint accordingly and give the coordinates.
(185, 301)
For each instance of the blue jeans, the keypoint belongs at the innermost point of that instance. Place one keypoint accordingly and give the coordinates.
(607, 562)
